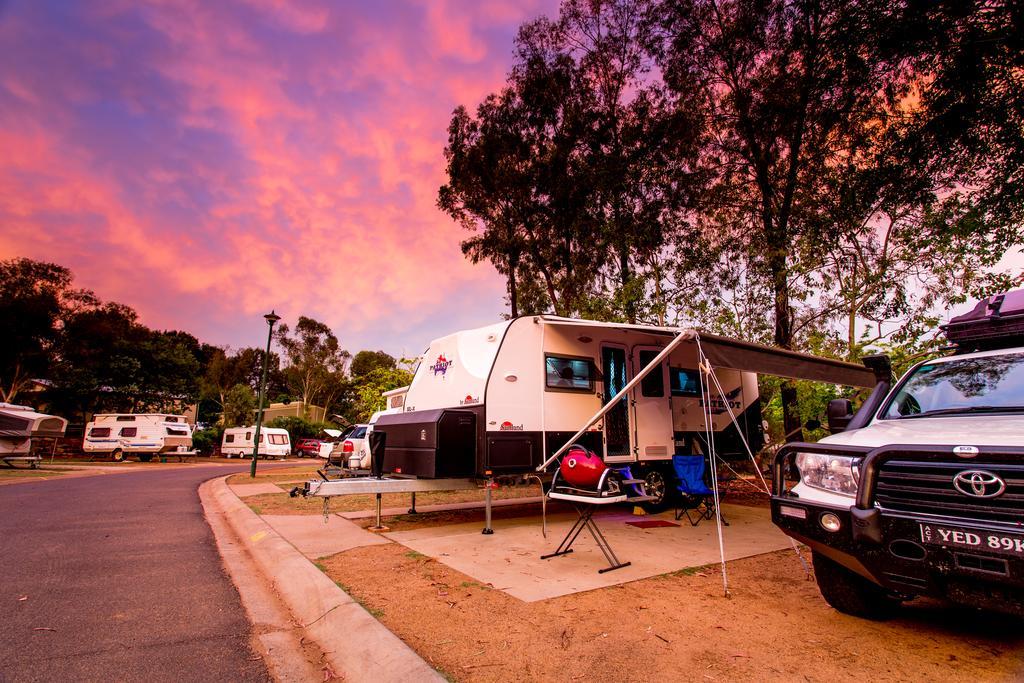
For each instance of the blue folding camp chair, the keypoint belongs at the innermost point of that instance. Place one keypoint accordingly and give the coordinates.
(696, 496)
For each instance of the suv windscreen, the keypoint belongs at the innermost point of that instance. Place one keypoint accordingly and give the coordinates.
(358, 433)
(989, 384)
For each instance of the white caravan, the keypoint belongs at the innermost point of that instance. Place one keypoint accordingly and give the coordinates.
(238, 442)
(19, 425)
(502, 399)
(143, 434)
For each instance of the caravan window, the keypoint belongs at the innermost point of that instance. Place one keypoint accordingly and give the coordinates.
(229, 438)
(569, 374)
(99, 431)
(685, 382)
(279, 439)
(129, 431)
(126, 418)
(248, 436)
(654, 383)
(177, 431)
(171, 419)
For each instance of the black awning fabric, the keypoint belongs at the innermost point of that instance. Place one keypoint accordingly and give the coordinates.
(723, 352)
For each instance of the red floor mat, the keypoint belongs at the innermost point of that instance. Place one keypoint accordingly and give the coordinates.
(651, 523)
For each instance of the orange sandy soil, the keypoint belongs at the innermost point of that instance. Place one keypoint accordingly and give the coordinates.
(676, 627)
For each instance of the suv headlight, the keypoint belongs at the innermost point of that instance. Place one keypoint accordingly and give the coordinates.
(834, 473)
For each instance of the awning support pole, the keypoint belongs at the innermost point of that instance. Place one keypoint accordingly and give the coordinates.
(684, 335)
(739, 430)
(487, 531)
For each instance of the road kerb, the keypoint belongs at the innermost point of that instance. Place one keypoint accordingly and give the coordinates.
(356, 645)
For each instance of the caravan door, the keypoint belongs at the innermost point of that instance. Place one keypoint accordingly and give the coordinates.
(617, 437)
(652, 433)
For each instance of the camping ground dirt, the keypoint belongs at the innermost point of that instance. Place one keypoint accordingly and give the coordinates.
(775, 626)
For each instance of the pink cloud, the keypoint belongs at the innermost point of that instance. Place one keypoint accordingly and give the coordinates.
(205, 162)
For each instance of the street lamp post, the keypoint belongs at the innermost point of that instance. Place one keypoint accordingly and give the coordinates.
(271, 319)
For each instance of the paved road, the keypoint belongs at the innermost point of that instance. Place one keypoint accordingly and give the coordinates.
(124, 569)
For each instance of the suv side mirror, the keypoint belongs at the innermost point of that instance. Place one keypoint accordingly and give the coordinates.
(840, 412)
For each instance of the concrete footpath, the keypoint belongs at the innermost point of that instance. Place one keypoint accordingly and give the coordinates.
(353, 643)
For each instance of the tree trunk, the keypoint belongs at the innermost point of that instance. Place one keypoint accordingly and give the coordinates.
(626, 275)
(783, 327)
(513, 291)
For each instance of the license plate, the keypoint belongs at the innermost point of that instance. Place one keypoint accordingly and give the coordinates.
(973, 539)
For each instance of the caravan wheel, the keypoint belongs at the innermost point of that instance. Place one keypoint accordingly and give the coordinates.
(117, 455)
(660, 488)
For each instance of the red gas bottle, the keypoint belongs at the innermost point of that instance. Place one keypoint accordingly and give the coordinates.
(581, 468)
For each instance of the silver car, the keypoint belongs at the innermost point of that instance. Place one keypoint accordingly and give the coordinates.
(352, 451)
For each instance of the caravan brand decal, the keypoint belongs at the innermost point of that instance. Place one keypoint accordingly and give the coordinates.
(440, 366)
(718, 406)
(469, 400)
(507, 426)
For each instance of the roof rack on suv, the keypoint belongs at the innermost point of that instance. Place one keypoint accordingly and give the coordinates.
(997, 322)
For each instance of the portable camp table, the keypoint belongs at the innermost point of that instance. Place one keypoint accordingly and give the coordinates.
(585, 508)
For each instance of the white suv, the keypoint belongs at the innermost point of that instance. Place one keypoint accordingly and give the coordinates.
(922, 493)
(352, 451)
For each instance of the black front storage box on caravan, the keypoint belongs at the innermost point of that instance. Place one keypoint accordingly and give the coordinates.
(432, 444)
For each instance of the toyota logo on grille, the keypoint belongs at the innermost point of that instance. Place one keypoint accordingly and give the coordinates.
(979, 484)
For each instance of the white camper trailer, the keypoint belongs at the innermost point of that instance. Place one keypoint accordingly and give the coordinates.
(143, 434)
(19, 425)
(238, 442)
(502, 399)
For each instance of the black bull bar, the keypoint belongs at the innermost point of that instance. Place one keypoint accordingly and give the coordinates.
(865, 516)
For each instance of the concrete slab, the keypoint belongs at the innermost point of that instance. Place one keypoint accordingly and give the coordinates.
(313, 538)
(440, 507)
(510, 560)
(243, 490)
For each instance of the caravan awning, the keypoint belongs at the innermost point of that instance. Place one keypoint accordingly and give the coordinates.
(725, 352)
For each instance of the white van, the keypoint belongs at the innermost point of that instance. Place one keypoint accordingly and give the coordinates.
(238, 442)
(144, 434)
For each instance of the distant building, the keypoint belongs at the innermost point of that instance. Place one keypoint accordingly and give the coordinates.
(294, 409)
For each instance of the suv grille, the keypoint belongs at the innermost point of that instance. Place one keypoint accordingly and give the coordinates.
(928, 487)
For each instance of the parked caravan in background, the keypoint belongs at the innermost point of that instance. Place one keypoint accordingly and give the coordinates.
(501, 399)
(142, 434)
(19, 425)
(395, 401)
(238, 442)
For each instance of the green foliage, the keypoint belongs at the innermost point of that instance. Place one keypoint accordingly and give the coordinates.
(564, 175)
(300, 428)
(35, 298)
(368, 389)
(316, 361)
(222, 371)
(206, 440)
(366, 361)
(239, 406)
